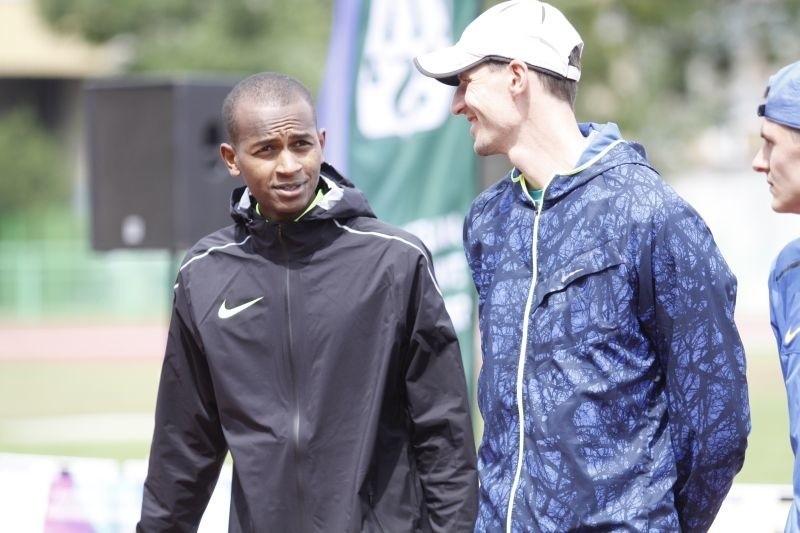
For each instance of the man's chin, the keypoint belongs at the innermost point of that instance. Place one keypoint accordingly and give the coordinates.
(483, 150)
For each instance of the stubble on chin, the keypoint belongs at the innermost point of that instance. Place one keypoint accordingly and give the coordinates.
(484, 150)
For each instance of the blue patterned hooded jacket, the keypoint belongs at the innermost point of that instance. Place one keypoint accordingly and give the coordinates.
(606, 321)
(784, 311)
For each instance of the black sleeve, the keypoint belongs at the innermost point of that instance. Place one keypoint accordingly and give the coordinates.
(188, 446)
(439, 408)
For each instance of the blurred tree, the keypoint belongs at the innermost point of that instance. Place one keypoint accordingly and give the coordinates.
(666, 72)
(34, 177)
(186, 36)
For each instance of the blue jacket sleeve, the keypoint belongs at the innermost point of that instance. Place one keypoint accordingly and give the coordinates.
(703, 363)
(784, 300)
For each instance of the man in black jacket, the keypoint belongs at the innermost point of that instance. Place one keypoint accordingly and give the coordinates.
(309, 340)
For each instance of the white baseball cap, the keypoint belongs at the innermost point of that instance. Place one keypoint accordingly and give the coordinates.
(531, 31)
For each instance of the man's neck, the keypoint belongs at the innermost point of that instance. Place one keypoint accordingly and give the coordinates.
(543, 152)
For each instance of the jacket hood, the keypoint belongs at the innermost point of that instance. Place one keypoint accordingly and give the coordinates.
(340, 200)
(606, 150)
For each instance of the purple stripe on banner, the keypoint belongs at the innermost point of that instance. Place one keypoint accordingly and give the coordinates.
(335, 99)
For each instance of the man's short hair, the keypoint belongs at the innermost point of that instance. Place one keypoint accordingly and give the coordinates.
(560, 87)
(563, 88)
(272, 88)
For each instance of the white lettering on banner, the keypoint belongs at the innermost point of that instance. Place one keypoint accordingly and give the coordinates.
(459, 307)
(442, 236)
(451, 271)
(438, 233)
(392, 98)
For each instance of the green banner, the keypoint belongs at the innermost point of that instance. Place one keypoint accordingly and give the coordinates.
(390, 130)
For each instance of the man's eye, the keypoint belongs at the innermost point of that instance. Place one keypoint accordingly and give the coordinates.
(301, 146)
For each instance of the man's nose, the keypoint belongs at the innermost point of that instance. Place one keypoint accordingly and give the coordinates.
(457, 107)
(288, 163)
(760, 162)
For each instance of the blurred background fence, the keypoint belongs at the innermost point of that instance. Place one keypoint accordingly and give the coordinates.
(64, 280)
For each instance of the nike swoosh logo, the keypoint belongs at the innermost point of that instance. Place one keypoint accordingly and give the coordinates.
(224, 312)
(565, 277)
(791, 335)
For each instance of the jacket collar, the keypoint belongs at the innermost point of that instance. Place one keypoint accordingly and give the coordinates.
(340, 199)
(606, 150)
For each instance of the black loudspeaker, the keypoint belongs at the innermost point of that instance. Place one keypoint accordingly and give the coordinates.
(155, 174)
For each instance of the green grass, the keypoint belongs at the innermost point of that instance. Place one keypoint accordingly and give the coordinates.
(31, 390)
(769, 454)
(44, 388)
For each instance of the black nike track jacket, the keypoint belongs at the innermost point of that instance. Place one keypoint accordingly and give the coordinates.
(320, 354)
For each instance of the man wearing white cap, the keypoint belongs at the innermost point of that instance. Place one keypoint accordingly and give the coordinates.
(613, 385)
(779, 159)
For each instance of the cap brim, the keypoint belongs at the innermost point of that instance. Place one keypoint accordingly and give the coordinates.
(446, 64)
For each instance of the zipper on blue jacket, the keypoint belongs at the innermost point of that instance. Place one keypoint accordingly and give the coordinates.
(537, 208)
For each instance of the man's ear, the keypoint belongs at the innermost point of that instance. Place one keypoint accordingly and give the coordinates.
(321, 136)
(519, 76)
(228, 154)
